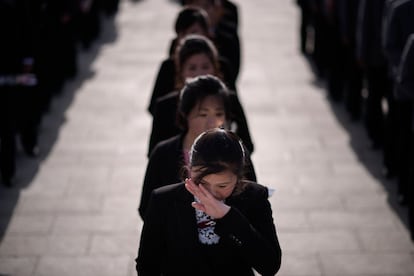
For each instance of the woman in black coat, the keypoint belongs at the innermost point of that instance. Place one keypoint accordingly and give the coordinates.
(214, 223)
(223, 18)
(195, 56)
(204, 104)
(190, 20)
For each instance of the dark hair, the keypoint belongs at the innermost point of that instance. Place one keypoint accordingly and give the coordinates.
(189, 16)
(216, 5)
(211, 2)
(195, 91)
(218, 150)
(192, 45)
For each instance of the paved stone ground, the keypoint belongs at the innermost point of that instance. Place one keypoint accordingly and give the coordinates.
(73, 211)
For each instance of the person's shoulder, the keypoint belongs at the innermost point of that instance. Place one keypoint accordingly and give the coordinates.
(167, 144)
(163, 198)
(230, 4)
(169, 98)
(254, 189)
(167, 63)
(400, 5)
(166, 105)
(172, 191)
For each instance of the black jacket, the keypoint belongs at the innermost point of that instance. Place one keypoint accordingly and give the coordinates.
(169, 239)
(405, 81)
(399, 27)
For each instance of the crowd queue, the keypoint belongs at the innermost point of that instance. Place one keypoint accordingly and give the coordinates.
(364, 51)
(203, 211)
(40, 40)
(216, 220)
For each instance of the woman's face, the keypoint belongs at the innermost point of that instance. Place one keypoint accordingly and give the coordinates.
(206, 115)
(197, 65)
(220, 185)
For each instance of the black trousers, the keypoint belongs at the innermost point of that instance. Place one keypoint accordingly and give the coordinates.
(20, 115)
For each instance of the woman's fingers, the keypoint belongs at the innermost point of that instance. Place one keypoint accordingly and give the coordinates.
(197, 190)
(205, 192)
(191, 187)
(194, 190)
(207, 202)
(199, 206)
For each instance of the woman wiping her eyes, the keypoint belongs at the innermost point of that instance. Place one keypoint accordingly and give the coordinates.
(213, 223)
(204, 103)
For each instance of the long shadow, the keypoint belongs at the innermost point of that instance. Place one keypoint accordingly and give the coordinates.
(52, 121)
(371, 159)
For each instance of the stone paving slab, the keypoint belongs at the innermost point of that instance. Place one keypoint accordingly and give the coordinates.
(74, 209)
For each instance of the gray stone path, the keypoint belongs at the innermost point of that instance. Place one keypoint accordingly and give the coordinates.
(73, 211)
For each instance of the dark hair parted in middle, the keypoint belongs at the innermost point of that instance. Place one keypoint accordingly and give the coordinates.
(195, 91)
(189, 16)
(191, 45)
(218, 150)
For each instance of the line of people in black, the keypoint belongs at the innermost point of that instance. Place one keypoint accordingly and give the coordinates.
(40, 40)
(192, 53)
(363, 50)
(216, 220)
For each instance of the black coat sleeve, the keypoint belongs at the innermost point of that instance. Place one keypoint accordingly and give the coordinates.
(163, 122)
(253, 233)
(405, 80)
(250, 173)
(152, 245)
(164, 83)
(242, 128)
(152, 180)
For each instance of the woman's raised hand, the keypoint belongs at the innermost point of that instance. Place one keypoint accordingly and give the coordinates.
(208, 203)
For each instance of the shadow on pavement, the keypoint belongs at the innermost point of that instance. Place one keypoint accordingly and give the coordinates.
(371, 159)
(26, 167)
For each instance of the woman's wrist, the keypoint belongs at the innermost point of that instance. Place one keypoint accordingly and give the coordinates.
(223, 211)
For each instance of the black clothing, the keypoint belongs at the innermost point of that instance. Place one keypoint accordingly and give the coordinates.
(231, 13)
(170, 245)
(371, 56)
(405, 79)
(352, 73)
(165, 80)
(227, 41)
(164, 83)
(305, 23)
(400, 26)
(164, 120)
(405, 92)
(19, 100)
